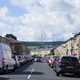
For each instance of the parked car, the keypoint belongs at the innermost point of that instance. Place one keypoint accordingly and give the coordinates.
(28, 58)
(44, 59)
(15, 57)
(21, 59)
(67, 64)
(51, 61)
(37, 58)
(6, 61)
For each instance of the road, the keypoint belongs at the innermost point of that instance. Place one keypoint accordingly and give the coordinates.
(35, 71)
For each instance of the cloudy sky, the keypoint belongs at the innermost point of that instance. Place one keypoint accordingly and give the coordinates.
(40, 20)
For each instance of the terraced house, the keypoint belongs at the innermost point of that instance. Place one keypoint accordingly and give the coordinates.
(70, 47)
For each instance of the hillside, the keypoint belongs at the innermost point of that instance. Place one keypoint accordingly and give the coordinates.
(42, 44)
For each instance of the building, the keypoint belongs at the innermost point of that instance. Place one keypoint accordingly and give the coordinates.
(18, 48)
(70, 47)
(4, 40)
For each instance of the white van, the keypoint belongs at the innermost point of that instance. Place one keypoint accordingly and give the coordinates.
(6, 60)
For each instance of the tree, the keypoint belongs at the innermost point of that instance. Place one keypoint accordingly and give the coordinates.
(11, 36)
(52, 52)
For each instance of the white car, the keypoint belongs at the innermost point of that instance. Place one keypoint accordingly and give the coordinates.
(6, 60)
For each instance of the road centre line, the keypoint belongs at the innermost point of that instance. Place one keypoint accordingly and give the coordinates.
(29, 76)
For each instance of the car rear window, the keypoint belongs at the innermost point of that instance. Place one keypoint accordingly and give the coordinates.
(70, 59)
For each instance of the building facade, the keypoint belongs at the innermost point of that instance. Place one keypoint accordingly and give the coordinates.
(18, 48)
(70, 47)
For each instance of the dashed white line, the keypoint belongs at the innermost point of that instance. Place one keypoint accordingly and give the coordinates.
(29, 76)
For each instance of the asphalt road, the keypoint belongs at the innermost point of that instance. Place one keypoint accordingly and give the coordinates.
(35, 71)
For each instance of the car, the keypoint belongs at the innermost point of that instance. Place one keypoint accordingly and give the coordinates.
(51, 61)
(44, 59)
(15, 57)
(35, 59)
(21, 59)
(38, 59)
(28, 58)
(67, 64)
(6, 61)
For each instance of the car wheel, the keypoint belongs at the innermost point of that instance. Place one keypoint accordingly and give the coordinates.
(51, 66)
(14, 68)
(3, 71)
(7, 69)
(58, 73)
(18, 65)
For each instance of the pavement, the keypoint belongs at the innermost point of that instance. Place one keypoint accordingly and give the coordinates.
(35, 71)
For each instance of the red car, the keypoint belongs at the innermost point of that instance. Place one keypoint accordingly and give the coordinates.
(52, 60)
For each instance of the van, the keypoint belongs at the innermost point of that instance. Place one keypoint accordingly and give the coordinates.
(6, 61)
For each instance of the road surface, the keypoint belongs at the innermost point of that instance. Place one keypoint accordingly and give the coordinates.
(35, 71)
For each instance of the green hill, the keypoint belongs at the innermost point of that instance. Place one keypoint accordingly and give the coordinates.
(42, 44)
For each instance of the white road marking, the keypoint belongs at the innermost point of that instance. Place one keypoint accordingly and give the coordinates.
(29, 76)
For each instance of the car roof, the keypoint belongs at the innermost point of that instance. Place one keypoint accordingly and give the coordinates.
(66, 57)
(70, 56)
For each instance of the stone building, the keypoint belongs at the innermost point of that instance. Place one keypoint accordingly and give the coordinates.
(76, 45)
(70, 47)
(18, 48)
(4, 40)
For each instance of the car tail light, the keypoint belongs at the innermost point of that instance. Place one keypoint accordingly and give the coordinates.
(50, 61)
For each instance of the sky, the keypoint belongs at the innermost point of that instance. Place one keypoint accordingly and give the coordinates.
(40, 20)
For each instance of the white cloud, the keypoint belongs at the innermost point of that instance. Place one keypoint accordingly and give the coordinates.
(3, 11)
(45, 20)
(74, 3)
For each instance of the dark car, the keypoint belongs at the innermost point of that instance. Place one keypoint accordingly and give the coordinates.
(67, 64)
(37, 58)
